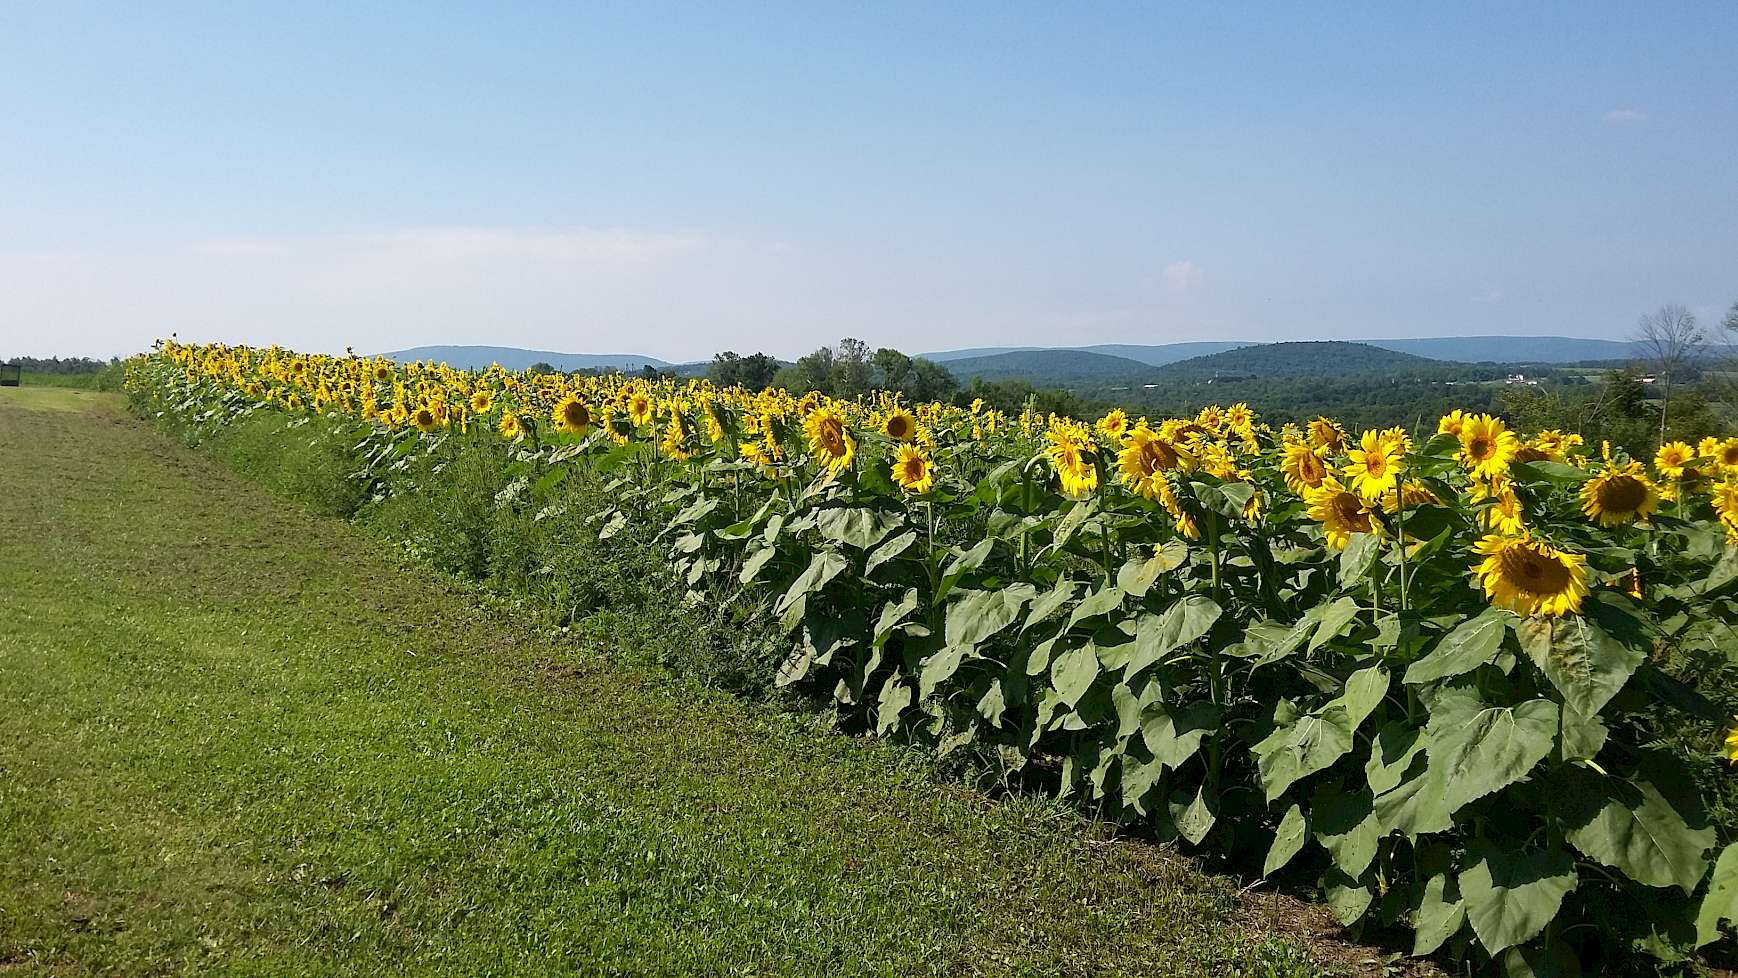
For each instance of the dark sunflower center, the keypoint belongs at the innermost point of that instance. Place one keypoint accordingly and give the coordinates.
(576, 415)
(898, 427)
(1535, 572)
(1479, 449)
(1350, 511)
(1622, 494)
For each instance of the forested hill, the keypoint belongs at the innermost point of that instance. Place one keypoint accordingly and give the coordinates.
(1327, 358)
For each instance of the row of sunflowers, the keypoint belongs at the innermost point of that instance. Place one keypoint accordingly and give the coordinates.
(1463, 680)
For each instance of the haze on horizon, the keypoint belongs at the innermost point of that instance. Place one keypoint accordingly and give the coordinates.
(673, 181)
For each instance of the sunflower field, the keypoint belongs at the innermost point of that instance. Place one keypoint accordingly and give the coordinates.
(1468, 683)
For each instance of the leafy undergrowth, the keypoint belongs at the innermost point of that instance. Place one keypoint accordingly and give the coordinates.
(237, 740)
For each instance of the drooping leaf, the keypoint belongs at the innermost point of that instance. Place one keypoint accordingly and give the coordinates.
(1308, 744)
(889, 550)
(823, 567)
(1287, 840)
(1050, 602)
(1100, 602)
(1586, 664)
(1193, 813)
(1073, 671)
(1418, 805)
(961, 565)
(1359, 556)
(1364, 691)
(938, 668)
(1174, 734)
(1511, 896)
(1720, 905)
(1348, 898)
(1471, 644)
(1345, 824)
(895, 697)
(1333, 621)
(1476, 748)
(1159, 635)
(856, 526)
(1441, 912)
(1391, 754)
(1627, 825)
(892, 613)
(977, 615)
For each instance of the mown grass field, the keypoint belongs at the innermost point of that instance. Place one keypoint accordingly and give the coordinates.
(238, 739)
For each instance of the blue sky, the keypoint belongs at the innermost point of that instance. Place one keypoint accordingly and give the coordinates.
(675, 180)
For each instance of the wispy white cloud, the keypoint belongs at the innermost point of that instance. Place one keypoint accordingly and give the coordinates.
(1182, 277)
(1488, 297)
(1625, 117)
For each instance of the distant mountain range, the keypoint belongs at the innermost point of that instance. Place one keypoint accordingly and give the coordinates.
(513, 358)
(1109, 364)
(1462, 349)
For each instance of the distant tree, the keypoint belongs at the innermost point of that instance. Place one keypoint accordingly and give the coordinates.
(1671, 340)
(852, 373)
(542, 367)
(753, 372)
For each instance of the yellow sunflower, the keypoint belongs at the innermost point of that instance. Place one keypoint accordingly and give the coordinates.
(1531, 577)
(1145, 458)
(572, 416)
(1114, 425)
(1505, 514)
(1340, 511)
(1619, 495)
(899, 425)
(510, 426)
(639, 408)
(1302, 467)
(426, 418)
(1327, 435)
(913, 470)
(1071, 454)
(1726, 502)
(483, 401)
(676, 435)
(1732, 743)
(1451, 423)
(1672, 457)
(1724, 453)
(1375, 467)
(830, 441)
(1487, 446)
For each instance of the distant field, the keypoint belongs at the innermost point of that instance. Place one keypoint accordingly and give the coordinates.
(89, 381)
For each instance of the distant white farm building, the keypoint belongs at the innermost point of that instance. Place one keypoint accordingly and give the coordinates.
(1522, 379)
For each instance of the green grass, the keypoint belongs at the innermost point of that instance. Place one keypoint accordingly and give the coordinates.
(238, 739)
(105, 379)
(57, 399)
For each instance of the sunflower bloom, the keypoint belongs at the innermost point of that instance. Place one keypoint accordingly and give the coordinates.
(426, 418)
(830, 441)
(1531, 577)
(571, 415)
(1671, 459)
(1732, 742)
(1451, 423)
(1619, 495)
(1487, 446)
(1340, 511)
(510, 427)
(1072, 455)
(482, 402)
(1375, 466)
(1145, 458)
(1327, 435)
(1114, 425)
(1723, 453)
(899, 425)
(1302, 467)
(913, 470)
